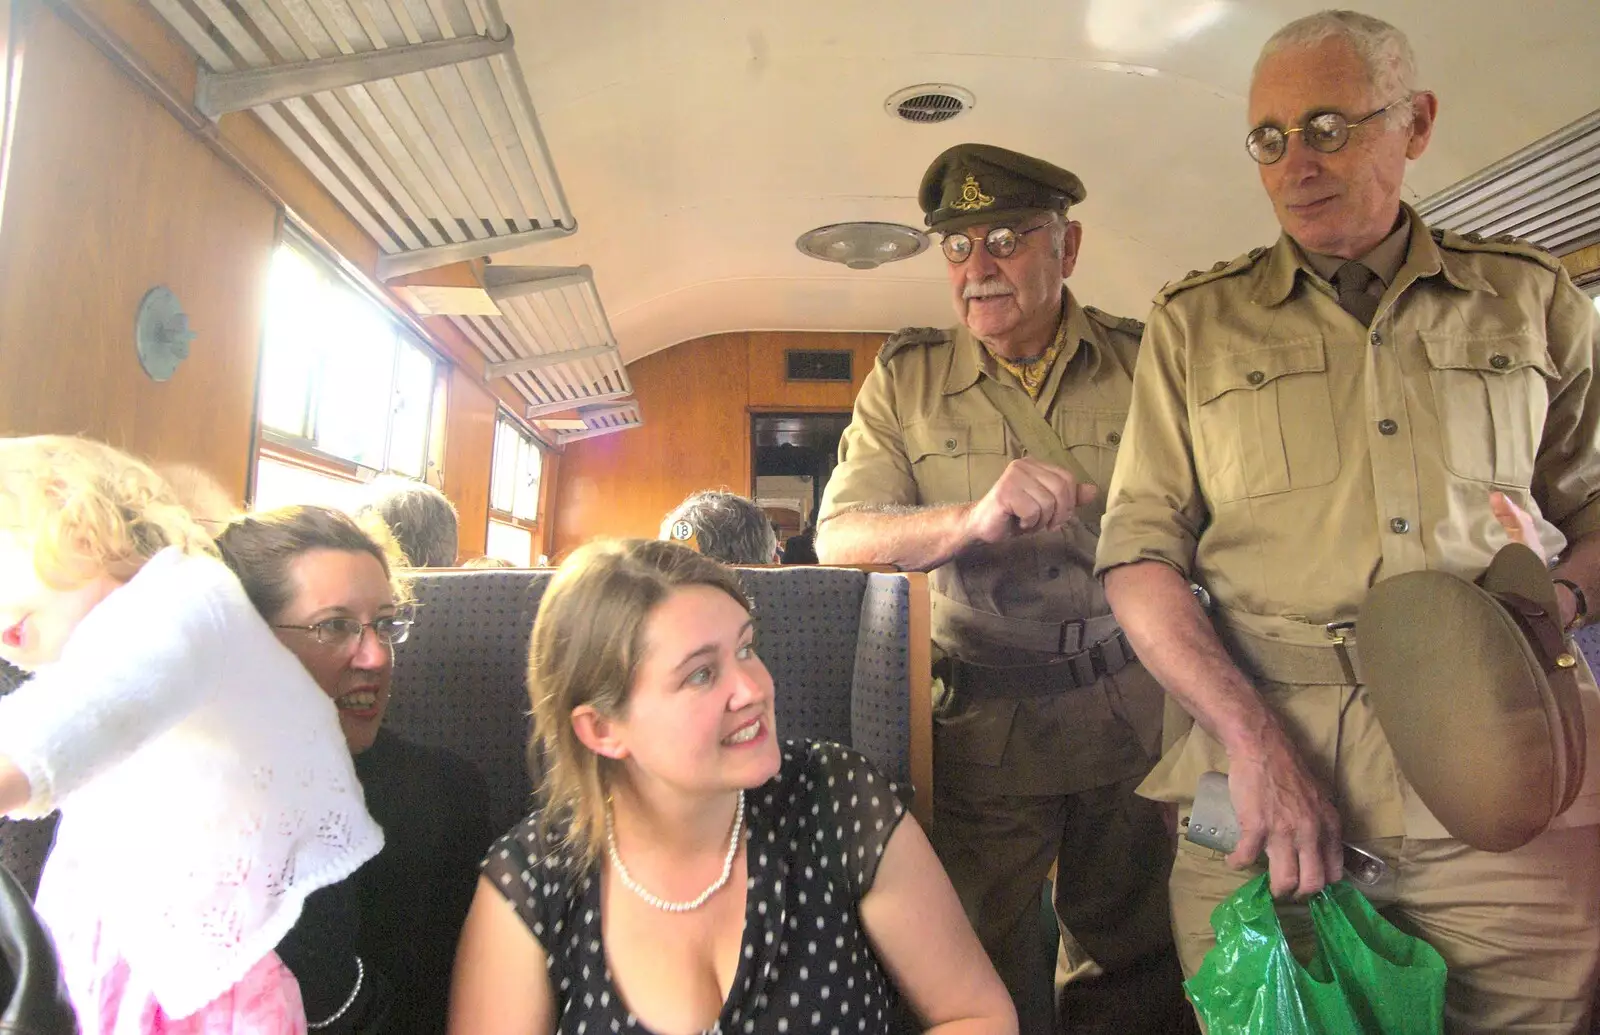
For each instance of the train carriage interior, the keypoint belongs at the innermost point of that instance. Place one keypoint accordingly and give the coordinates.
(568, 263)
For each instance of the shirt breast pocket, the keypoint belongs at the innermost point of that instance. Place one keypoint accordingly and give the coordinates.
(1264, 421)
(1492, 397)
(956, 461)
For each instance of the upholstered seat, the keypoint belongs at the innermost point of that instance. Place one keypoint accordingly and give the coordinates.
(848, 651)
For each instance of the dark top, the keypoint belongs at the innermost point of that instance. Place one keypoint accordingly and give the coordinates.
(815, 834)
(413, 896)
(800, 548)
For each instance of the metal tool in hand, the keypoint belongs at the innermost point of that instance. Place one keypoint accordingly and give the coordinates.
(1212, 824)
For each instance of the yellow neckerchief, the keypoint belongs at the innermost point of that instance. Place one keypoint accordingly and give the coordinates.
(1033, 372)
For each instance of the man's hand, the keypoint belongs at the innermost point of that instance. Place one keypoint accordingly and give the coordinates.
(1517, 522)
(1031, 496)
(1280, 806)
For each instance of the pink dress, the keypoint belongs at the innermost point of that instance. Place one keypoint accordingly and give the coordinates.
(266, 1001)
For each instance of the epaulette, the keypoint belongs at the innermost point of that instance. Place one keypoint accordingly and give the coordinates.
(907, 336)
(1126, 324)
(1502, 244)
(1217, 272)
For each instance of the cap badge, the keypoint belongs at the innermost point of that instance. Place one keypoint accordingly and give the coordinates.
(972, 196)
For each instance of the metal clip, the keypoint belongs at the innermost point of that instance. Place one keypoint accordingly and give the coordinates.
(1336, 631)
(1362, 866)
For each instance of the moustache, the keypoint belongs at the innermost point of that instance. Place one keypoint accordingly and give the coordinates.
(987, 289)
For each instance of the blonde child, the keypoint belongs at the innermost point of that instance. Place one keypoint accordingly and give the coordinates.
(203, 783)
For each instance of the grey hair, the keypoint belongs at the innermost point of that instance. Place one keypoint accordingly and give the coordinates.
(420, 517)
(729, 528)
(1390, 62)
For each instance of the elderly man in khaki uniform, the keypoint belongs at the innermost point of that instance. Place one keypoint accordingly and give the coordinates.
(1365, 398)
(977, 454)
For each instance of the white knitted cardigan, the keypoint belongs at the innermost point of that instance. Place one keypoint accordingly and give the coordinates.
(204, 786)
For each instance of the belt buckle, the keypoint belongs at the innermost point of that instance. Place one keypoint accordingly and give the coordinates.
(1336, 632)
(1082, 625)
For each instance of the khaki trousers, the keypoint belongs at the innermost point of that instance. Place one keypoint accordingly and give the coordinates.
(1519, 931)
(1112, 850)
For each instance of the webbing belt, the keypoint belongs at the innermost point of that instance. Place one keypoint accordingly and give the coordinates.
(1281, 650)
(1072, 672)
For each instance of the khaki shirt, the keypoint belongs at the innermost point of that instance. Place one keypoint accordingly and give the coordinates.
(924, 434)
(1287, 458)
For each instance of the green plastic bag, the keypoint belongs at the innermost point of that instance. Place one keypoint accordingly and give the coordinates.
(1365, 978)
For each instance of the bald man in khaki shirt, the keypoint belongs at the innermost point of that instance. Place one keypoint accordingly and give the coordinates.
(1296, 435)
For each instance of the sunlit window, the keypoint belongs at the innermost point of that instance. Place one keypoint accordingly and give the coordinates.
(509, 543)
(340, 377)
(514, 481)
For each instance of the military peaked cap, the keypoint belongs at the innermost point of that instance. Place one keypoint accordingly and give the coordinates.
(1476, 689)
(980, 183)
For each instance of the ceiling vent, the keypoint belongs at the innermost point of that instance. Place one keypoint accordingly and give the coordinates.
(929, 103)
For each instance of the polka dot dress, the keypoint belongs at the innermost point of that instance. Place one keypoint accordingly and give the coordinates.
(816, 833)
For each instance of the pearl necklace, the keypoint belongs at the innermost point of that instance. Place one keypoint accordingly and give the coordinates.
(661, 903)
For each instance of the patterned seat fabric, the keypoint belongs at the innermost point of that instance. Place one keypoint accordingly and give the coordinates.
(460, 679)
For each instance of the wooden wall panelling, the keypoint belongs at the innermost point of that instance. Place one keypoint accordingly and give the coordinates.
(107, 197)
(696, 398)
(769, 389)
(696, 435)
(469, 456)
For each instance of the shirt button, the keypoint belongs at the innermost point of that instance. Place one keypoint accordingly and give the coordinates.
(1387, 426)
(1114, 437)
(1255, 377)
(1499, 361)
(949, 443)
(1399, 526)
(1375, 338)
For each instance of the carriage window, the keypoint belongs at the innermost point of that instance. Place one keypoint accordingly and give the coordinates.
(340, 377)
(513, 493)
(514, 482)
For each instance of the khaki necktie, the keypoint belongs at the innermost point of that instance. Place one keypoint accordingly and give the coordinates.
(1354, 282)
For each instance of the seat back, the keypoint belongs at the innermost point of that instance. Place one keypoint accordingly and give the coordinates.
(847, 649)
(460, 678)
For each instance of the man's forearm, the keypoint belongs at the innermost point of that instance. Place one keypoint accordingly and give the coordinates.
(1176, 643)
(910, 538)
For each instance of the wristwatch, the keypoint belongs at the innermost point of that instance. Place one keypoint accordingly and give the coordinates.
(1582, 601)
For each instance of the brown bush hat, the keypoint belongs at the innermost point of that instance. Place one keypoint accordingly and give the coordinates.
(1475, 687)
(980, 183)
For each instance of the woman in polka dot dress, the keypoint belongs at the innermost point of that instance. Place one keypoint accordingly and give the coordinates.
(690, 872)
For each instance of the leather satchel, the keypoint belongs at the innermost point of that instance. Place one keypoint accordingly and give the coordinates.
(33, 998)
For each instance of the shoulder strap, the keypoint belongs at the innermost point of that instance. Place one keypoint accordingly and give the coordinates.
(1041, 440)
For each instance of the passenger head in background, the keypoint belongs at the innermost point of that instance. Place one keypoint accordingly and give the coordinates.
(77, 519)
(726, 527)
(487, 562)
(421, 518)
(329, 588)
(624, 629)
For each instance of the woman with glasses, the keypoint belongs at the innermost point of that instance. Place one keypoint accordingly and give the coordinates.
(332, 594)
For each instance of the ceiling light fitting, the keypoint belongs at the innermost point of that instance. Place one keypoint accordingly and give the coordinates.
(862, 246)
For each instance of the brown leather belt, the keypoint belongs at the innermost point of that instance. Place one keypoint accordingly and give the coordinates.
(1071, 672)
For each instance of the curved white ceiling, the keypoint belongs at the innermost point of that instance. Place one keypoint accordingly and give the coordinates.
(696, 139)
